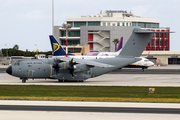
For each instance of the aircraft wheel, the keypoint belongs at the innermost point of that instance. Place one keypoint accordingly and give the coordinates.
(23, 81)
(60, 81)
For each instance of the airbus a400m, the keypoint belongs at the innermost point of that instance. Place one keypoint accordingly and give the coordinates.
(69, 69)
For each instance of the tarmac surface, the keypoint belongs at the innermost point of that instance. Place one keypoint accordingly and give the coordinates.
(90, 110)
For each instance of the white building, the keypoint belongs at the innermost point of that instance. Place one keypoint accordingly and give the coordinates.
(100, 30)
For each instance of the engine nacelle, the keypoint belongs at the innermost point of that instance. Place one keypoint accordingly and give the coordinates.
(77, 67)
(64, 65)
(81, 67)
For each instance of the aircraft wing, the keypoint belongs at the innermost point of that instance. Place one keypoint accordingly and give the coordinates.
(87, 62)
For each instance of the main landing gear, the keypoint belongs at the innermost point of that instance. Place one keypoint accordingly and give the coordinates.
(24, 80)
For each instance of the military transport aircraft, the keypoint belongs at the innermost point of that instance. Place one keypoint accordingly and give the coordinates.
(69, 69)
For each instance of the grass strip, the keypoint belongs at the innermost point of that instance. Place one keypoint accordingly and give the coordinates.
(94, 99)
(89, 93)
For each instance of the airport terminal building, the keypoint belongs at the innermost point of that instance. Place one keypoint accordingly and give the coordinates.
(100, 30)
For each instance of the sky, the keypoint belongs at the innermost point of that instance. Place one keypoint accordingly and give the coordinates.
(28, 23)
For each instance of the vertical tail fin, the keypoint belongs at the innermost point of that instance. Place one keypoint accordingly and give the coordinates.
(137, 42)
(56, 47)
(119, 44)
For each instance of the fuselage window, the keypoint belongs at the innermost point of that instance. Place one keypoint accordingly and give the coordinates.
(37, 63)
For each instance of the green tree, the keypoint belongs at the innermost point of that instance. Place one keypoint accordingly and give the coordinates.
(1, 54)
(16, 47)
(115, 41)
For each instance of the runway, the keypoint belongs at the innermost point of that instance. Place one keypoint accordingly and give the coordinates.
(91, 109)
(79, 110)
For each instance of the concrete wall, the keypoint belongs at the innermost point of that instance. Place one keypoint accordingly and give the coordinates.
(115, 32)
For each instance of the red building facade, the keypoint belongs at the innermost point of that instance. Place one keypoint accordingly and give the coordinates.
(159, 42)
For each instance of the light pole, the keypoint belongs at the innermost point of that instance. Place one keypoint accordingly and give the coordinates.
(67, 27)
(52, 17)
(6, 50)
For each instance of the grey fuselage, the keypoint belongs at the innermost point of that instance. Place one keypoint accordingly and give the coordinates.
(43, 68)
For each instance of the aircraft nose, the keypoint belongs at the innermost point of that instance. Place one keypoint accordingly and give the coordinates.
(152, 63)
(9, 70)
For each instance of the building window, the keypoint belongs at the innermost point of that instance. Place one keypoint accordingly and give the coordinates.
(134, 24)
(154, 25)
(70, 24)
(93, 23)
(165, 35)
(129, 24)
(141, 25)
(78, 24)
(126, 24)
(148, 25)
(152, 43)
(160, 43)
(104, 23)
(123, 24)
(108, 23)
(70, 42)
(166, 43)
(71, 34)
(74, 50)
(157, 35)
(118, 24)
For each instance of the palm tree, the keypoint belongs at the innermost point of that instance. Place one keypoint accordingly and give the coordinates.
(115, 41)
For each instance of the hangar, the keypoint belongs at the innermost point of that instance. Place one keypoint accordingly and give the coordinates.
(163, 57)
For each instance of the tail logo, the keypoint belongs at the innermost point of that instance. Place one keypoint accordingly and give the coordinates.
(56, 47)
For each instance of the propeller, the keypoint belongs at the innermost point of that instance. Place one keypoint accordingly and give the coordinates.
(56, 66)
(71, 67)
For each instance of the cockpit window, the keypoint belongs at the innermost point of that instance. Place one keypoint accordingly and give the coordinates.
(17, 63)
(146, 60)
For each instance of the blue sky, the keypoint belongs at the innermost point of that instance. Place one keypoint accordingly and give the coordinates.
(28, 23)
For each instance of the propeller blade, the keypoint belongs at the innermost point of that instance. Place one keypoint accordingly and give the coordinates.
(71, 67)
(56, 65)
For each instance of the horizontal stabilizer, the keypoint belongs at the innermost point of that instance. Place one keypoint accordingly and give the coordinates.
(141, 31)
